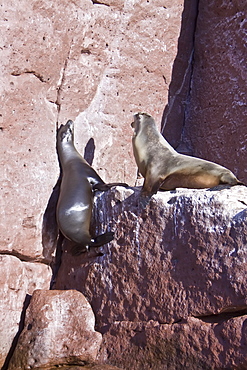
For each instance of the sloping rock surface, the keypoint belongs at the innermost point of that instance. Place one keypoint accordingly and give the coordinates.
(59, 330)
(183, 256)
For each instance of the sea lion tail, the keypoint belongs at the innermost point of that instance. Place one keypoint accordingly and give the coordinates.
(240, 183)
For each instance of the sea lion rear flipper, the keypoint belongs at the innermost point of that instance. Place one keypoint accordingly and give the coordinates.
(102, 239)
(105, 187)
(78, 249)
(98, 241)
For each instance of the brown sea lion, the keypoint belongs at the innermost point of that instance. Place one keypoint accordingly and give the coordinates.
(164, 168)
(75, 202)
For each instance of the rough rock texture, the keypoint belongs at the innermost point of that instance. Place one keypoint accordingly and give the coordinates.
(214, 102)
(183, 256)
(97, 64)
(179, 88)
(94, 63)
(87, 367)
(59, 330)
(194, 344)
(18, 280)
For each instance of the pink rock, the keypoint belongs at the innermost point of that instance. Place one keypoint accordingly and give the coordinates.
(59, 330)
(17, 282)
(95, 64)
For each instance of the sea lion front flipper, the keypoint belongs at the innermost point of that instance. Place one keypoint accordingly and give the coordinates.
(149, 188)
(105, 187)
(151, 185)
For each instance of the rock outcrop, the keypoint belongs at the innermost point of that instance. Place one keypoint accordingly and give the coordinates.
(177, 265)
(216, 112)
(206, 116)
(98, 63)
(59, 330)
(18, 280)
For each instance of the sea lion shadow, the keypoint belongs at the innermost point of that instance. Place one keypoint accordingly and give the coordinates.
(89, 151)
(220, 187)
(50, 231)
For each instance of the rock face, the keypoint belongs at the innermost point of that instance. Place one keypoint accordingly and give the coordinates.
(59, 330)
(98, 63)
(182, 257)
(217, 110)
(211, 343)
(18, 280)
(212, 106)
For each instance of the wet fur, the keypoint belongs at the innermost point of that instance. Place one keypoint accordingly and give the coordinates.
(75, 203)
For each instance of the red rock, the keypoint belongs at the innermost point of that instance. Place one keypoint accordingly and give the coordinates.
(215, 124)
(191, 344)
(95, 64)
(98, 64)
(183, 256)
(59, 330)
(17, 281)
(87, 367)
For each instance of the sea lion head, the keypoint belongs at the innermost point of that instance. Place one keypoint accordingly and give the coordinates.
(66, 132)
(141, 119)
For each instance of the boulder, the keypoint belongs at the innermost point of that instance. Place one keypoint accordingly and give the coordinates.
(181, 257)
(18, 280)
(59, 330)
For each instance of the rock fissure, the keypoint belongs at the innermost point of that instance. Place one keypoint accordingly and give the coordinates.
(223, 316)
(60, 85)
(95, 2)
(34, 73)
(174, 115)
(22, 257)
(178, 91)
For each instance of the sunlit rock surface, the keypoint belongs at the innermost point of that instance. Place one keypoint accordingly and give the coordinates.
(182, 257)
(18, 280)
(59, 330)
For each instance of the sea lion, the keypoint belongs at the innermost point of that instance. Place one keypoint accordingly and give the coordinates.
(164, 168)
(75, 202)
